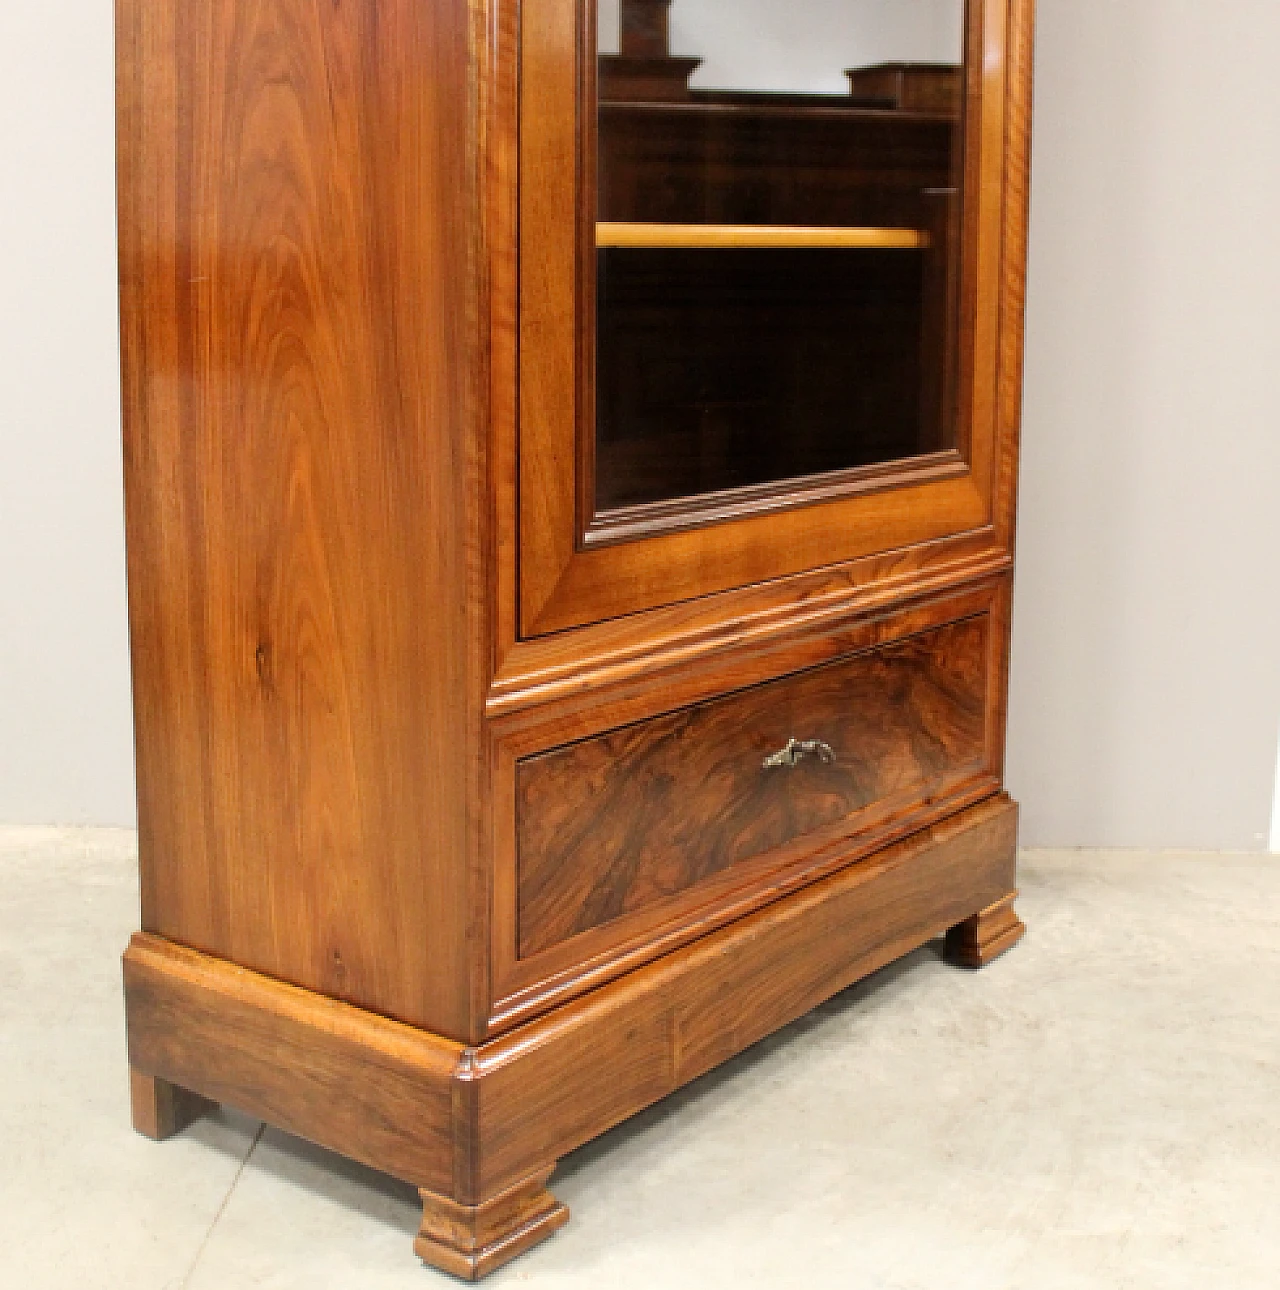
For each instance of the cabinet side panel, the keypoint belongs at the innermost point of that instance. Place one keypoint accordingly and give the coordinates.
(297, 252)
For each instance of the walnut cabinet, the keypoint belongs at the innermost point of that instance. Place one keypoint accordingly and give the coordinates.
(570, 486)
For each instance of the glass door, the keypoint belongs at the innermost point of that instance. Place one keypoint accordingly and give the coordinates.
(753, 242)
(777, 219)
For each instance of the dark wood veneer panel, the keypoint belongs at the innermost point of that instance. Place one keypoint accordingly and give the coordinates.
(613, 824)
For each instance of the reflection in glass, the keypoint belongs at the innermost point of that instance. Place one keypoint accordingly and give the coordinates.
(776, 261)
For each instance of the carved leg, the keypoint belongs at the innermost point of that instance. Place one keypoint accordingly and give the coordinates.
(161, 1109)
(472, 1240)
(985, 936)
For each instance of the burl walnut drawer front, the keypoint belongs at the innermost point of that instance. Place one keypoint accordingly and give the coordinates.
(631, 821)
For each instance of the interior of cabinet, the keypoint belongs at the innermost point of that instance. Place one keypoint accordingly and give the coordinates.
(776, 275)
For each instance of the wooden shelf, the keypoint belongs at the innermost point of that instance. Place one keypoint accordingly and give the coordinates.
(711, 236)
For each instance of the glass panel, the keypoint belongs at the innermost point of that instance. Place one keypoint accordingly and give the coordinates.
(777, 240)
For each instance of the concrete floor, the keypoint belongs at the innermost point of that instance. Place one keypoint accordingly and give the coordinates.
(1099, 1109)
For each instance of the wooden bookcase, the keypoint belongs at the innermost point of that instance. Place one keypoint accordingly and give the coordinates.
(570, 524)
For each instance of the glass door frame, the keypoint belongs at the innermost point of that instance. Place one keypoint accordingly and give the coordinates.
(575, 570)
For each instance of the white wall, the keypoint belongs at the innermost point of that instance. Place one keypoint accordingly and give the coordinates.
(805, 45)
(1146, 673)
(65, 736)
(1275, 812)
(1146, 683)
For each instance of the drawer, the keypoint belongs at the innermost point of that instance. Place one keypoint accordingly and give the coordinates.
(633, 827)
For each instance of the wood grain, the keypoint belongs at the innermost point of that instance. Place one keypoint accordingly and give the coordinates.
(525, 988)
(563, 583)
(910, 87)
(161, 1109)
(713, 373)
(469, 1125)
(375, 1090)
(702, 236)
(325, 288)
(470, 1241)
(699, 638)
(558, 1082)
(644, 28)
(699, 632)
(988, 934)
(611, 825)
(1017, 203)
(297, 239)
(769, 160)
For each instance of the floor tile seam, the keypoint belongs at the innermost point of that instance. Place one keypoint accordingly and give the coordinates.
(222, 1209)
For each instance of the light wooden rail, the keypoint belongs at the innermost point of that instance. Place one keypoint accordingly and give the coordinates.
(711, 236)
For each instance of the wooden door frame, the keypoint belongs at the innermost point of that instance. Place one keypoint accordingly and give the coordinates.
(564, 583)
